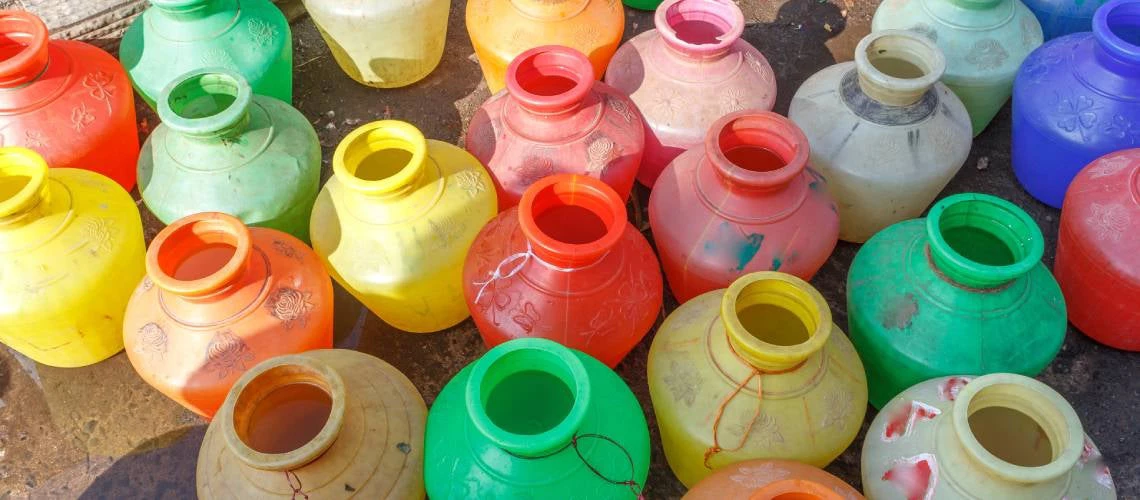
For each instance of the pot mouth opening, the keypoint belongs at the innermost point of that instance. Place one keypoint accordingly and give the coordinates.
(528, 396)
(203, 95)
(23, 47)
(777, 313)
(286, 417)
(982, 241)
(23, 174)
(550, 79)
(758, 148)
(571, 219)
(1116, 26)
(701, 24)
(381, 157)
(199, 254)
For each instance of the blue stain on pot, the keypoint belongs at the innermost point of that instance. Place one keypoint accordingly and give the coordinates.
(748, 250)
(776, 263)
(731, 246)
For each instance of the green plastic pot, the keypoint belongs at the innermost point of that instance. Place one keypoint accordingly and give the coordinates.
(222, 149)
(173, 37)
(961, 292)
(529, 420)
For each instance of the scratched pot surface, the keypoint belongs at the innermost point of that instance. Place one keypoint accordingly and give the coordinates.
(100, 432)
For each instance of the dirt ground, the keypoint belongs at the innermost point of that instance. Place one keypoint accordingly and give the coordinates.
(100, 432)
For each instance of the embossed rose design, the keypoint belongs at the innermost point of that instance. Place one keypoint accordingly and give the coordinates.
(291, 306)
(599, 154)
(151, 340)
(1108, 221)
(987, 54)
(666, 103)
(534, 168)
(286, 250)
(227, 353)
(621, 108)
(34, 140)
(732, 101)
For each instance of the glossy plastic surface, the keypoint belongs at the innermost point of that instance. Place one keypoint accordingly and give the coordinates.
(751, 478)
(222, 149)
(883, 132)
(383, 44)
(996, 436)
(68, 101)
(394, 223)
(984, 42)
(363, 395)
(742, 202)
(962, 291)
(218, 299)
(71, 249)
(1098, 253)
(756, 371)
(1064, 17)
(556, 118)
(528, 417)
(1076, 99)
(565, 265)
(687, 73)
(500, 30)
(174, 37)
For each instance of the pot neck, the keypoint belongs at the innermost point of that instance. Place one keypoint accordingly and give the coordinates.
(794, 489)
(699, 29)
(1116, 28)
(571, 221)
(550, 80)
(775, 321)
(191, 9)
(24, 193)
(23, 47)
(207, 104)
(247, 419)
(896, 67)
(986, 437)
(381, 159)
(549, 10)
(529, 397)
(200, 256)
(981, 241)
(756, 150)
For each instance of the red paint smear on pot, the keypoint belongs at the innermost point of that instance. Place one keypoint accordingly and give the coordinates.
(902, 421)
(915, 476)
(949, 389)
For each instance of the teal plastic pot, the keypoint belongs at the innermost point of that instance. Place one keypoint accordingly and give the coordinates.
(173, 37)
(222, 149)
(528, 420)
(642, 4)
(961, 292)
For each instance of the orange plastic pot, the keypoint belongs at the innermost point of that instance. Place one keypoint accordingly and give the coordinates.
(771, 480)
(500, 30)
(219, 298)
(69, 101)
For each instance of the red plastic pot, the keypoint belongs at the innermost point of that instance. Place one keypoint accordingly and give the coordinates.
(564, 265)
(744, 201)
(1098, 253)
(71, 102)
(555, 118)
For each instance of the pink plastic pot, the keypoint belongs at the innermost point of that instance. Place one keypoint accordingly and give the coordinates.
(687, 73)
(744, 201)
(554, 118)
